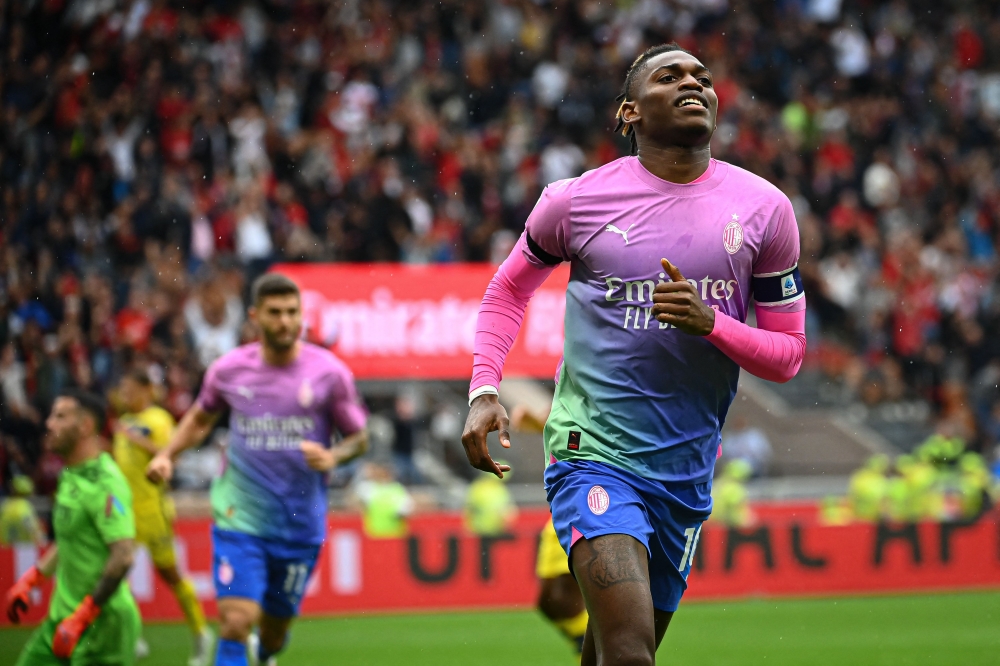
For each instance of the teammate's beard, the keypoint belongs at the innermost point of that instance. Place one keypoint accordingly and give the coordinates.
(63, 443)
(278, 343)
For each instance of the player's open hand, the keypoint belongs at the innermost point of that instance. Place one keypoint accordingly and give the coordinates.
(677, 303)
(160, 468)
(317, 456)
(18, 597)
(486, 415)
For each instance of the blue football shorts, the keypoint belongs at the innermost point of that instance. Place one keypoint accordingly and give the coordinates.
(589, 499)
(272, 573)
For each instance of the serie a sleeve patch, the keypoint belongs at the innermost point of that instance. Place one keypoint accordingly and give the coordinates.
(778, 288)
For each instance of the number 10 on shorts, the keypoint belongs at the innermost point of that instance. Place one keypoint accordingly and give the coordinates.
(692, 534)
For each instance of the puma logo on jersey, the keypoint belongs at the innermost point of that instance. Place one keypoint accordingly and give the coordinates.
(245, 392)
(615, 230)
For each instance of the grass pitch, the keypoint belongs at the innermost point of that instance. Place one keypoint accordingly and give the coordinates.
(940, 629)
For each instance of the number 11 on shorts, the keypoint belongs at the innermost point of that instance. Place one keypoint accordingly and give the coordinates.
(295, 581)
(692, 534)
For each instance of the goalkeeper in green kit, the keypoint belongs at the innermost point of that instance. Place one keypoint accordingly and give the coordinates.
(93, 619)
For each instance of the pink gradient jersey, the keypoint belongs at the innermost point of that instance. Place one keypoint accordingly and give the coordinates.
(633, 392)
(267, 489)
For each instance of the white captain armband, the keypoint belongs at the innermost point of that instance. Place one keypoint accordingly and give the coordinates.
(483, 390)
(778, 288)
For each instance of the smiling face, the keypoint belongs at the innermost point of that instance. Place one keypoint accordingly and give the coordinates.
(672, 102)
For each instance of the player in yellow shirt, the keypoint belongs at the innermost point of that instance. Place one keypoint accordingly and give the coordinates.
(19, 524)
(142, 430)
(560, 599)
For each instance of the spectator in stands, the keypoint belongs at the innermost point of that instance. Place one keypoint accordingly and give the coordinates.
(142, 142)
(749, 444)
(387, 504)
(405, 424)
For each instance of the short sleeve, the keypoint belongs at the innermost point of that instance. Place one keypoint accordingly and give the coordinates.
(776, 281)
(346, 411)
(111, 509)
(210, 397)
(780, 250)
(547, 228)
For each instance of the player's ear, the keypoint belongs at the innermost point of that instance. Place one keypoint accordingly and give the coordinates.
(252, 313)
(630, 112)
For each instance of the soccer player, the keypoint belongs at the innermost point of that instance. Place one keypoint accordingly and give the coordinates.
(667, 247)
(559, 598)
(286, 398)
(19, 524)
(140, 433)
(92, 617)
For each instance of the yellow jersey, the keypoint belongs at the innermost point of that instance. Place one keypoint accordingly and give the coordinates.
(157, 425)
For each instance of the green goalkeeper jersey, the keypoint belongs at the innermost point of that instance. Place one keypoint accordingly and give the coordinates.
(93, 508)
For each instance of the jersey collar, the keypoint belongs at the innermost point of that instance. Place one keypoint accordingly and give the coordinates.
(718, 174)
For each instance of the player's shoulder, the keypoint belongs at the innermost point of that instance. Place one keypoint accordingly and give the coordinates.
(601, 178)
(753, 186)
(155, 415)
(243, 357)
(318, 357)
(106, 476)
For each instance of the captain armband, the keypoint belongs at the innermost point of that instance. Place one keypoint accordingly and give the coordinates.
(540, 254)
(781, 288)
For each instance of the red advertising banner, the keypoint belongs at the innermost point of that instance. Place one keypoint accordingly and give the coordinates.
(398, 321)
(440, 566)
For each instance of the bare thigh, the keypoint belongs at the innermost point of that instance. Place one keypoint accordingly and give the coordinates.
(613, 573)
(237, 616)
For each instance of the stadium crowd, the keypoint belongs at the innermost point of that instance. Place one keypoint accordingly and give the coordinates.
(156, 155)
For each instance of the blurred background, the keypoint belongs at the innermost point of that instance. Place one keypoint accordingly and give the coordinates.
(158, 155)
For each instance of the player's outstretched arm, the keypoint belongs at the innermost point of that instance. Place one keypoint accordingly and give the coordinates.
(542, 247)
(68, 632)
(500, 317)
(194, 427)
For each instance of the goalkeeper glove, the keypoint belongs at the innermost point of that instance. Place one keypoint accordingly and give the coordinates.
(69, 630)
(18, 598)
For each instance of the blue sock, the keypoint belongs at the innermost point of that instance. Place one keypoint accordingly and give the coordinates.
(231, 653)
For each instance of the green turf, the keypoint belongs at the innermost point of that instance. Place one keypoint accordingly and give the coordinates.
(943, 629)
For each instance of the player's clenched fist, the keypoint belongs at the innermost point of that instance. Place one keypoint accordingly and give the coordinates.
(69, 631)
(485, 416)
(160, 468)
(18, 597)
(678, 303)
(317, 456)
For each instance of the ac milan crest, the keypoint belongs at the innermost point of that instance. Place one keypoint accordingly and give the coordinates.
(306, 394)
(225, 573)
(598, 500)
(732, 236)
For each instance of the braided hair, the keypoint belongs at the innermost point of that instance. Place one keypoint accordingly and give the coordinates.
(627, 92)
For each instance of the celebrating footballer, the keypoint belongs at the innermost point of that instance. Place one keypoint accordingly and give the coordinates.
(667, 248)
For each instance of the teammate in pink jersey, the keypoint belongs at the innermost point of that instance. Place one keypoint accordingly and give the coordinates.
(667, 249)
(287, 399)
